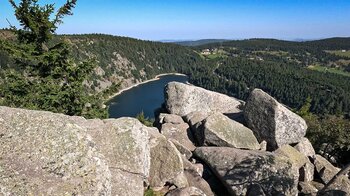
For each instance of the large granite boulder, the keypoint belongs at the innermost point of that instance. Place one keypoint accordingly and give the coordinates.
(43, 153)
(219, 130)
(166, 162)
(181, 99)
(273, 122)
(246, 172)
(305, 147)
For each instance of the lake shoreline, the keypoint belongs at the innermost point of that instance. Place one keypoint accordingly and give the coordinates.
(139, 83)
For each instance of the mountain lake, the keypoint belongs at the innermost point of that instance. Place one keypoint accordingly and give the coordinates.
(145, 97)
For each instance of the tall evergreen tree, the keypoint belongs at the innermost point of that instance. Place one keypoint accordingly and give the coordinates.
(47, 78)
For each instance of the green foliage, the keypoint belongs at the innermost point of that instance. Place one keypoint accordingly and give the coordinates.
(330, 137)
(146, 121)
(151, 192)
(46, 77)
(305, 109)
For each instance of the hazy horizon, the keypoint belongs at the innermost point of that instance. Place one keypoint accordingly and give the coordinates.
(183, 20)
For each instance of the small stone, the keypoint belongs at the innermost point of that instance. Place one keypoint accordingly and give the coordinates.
(305, 147)
(188, 191)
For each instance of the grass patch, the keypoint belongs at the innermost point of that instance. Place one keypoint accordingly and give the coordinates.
(340, 53)
(329, 70)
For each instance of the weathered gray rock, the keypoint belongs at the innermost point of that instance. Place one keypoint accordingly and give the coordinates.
(195, 180)
(190, 166)
(196, 117)
(307, 172)
(245, 171)
(273, 122)
(182, 149)
(181, 99)
(43, 153)
(124, 144)
(170, 118)
(325, 169)
(297, 159)
(317, 185)
(263, 145)
(219, 130)
(305, 147)
(180, 181)
(340, 187)
(180, 133)
(166, 162)
(306, 188)
(188, 191)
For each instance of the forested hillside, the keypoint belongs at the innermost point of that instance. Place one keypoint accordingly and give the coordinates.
(125, 61)
(234, 67)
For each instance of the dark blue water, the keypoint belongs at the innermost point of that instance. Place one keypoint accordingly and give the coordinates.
(144, 97)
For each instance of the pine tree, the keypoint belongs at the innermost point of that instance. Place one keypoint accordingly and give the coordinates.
(47, 77)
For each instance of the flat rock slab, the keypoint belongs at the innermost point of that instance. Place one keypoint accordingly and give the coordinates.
(273, 122)
(245, 172)
(47, 154)
(181, 99)
(43, 153)
(219, 130)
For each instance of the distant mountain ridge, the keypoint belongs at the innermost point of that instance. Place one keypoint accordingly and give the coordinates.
(201, 42)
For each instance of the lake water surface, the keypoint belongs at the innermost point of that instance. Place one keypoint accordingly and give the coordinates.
(145, 97)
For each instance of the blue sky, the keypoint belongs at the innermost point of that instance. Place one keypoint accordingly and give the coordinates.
(200, 19)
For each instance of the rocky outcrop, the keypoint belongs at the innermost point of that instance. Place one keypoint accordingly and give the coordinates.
(219, 130)
(272, 122)
(244, 171)
(181, 99)
(43, 153)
